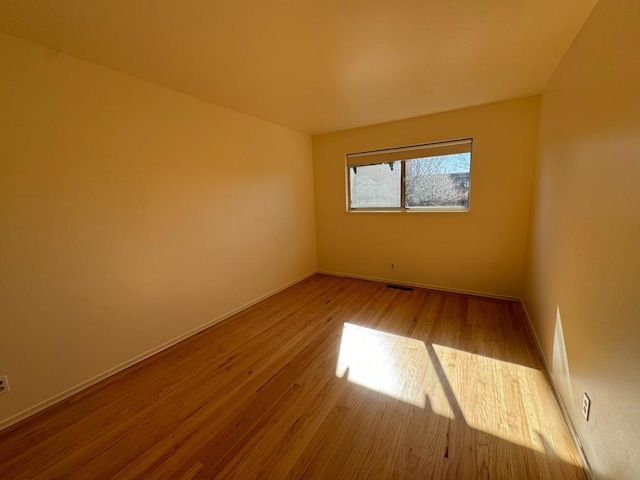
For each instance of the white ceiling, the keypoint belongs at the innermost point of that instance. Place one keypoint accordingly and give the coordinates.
(316, 65)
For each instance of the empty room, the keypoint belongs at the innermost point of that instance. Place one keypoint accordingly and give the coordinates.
(332, 239)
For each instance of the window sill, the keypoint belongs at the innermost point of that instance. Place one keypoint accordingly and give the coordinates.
(410, 210)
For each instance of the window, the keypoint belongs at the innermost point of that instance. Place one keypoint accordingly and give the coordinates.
(434, 176)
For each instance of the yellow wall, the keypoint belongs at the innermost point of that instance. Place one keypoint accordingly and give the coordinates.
(129, 215)
(479, 251)
(584, 255)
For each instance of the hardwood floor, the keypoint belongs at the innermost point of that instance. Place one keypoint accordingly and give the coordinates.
(331, 378)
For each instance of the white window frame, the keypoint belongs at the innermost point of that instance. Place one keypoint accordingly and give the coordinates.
(402, 154)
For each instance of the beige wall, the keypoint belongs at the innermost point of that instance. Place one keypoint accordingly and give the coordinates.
(479, 251)
(584, 256)
(129, 215)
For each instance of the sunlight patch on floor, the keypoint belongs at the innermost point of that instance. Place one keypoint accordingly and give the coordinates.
(489, 395)
(392, 365)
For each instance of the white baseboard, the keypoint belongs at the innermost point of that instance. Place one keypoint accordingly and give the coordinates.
(556, 392)
(92, 381)
(422, 285)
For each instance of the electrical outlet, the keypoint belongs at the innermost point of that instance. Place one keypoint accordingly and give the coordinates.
(393, 266)
(4, 384)
(586, 407)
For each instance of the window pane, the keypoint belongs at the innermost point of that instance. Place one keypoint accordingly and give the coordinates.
(438, 181)
(375, 186)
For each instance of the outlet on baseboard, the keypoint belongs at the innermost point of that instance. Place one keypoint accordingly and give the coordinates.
(586, 406)
(4, 384)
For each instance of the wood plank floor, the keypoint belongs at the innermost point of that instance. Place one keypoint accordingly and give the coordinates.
(331, 378)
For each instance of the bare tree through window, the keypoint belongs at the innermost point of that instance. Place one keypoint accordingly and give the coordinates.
(438, 181)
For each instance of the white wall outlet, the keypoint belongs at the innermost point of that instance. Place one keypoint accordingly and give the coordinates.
(4, 384)
(586, 407)
(393, 266)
